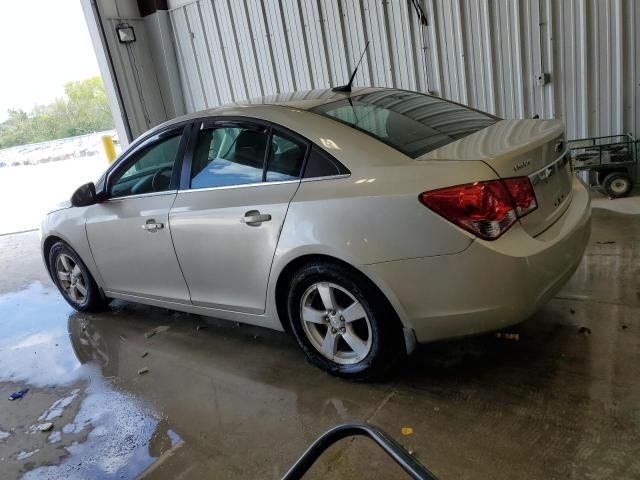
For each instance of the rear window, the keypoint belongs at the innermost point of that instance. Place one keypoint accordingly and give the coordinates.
(410, 122)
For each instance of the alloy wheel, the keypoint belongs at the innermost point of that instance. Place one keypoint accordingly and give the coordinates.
(335, 323)
(71, 279)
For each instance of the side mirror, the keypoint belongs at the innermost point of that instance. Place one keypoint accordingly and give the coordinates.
(84, 196)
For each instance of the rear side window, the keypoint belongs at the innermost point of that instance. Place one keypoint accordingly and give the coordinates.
(228, 156)
(320, 164)
(410, 122)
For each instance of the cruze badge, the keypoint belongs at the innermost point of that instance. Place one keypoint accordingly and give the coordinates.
(522, 165)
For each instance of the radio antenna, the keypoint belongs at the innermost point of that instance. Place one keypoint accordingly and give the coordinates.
(347, 87)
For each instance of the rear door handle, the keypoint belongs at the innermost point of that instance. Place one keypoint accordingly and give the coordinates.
(254, 218)
(152, 225)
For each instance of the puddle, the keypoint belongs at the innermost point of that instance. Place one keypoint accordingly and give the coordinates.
(99, 432)
(34, 342)
(23, 455)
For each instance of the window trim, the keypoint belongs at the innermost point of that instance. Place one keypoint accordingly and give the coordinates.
(244, 122)
(127, 158)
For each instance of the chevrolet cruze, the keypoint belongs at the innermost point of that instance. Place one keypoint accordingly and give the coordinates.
(361, 222)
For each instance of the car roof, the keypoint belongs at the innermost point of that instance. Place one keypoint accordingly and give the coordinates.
(302, 100)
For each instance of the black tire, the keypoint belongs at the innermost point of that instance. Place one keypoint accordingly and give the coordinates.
(387, 339)
(93, 300)
(617, 184)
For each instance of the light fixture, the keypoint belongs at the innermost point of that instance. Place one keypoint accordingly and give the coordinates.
(126, 34)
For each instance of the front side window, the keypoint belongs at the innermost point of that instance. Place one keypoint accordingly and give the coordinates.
(228, 156)
(410, 122)
(150, 170)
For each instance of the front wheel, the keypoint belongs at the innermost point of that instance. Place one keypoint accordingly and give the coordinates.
(342, 322)
(73, 279)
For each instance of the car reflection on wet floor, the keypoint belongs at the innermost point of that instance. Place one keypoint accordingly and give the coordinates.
(232, 401)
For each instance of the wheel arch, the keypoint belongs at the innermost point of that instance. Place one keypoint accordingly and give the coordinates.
(285, 275)
(51, 239)
(47, 245)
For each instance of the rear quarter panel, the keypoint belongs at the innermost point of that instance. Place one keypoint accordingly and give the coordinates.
(373, 215)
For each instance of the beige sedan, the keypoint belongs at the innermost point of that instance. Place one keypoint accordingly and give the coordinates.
(360, 222)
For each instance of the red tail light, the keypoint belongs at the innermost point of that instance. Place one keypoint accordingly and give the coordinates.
(486, 209)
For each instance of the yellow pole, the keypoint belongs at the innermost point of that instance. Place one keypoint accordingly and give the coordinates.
(109, 149)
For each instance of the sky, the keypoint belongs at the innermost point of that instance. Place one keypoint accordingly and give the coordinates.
(43, 45)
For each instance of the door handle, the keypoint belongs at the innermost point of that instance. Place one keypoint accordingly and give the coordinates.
(254, 218)
(152, 225)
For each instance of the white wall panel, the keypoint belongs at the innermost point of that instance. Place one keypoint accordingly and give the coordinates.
(484, 53)
(143, 101)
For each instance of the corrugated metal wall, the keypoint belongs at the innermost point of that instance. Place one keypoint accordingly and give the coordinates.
(483, 53)
(143, 101)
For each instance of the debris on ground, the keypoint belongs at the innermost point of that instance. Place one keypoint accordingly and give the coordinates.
(45, 427)
(155, 331)
(606, 243)
(200, 327)
(144, 354)
(572, 311)
(17, 395)
(407, 430)
(143, 370)
(508, 336)
(585, 330)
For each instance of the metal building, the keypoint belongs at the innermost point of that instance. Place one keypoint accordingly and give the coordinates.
(576, 60)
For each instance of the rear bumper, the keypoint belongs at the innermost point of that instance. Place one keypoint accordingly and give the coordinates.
(490, 285)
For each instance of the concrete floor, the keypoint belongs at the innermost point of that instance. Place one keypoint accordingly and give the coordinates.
(240, 402)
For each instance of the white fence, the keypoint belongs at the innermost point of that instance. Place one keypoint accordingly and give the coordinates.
(55, 150)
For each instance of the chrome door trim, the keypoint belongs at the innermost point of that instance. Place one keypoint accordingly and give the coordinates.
(327, 177)
(244, 185)
(141, 195)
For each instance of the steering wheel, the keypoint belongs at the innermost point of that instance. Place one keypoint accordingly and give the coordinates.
(164, 175)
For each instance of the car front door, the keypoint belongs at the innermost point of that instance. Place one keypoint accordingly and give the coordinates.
(129, 232)
(226, 221)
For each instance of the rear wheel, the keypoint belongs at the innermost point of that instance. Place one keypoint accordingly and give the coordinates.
(617, 184)
(342, 323)
(73, 279)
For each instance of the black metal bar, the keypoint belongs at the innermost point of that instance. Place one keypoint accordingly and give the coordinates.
(409, 464)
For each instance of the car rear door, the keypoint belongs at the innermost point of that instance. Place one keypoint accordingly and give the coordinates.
(129, 232)
(227, 217)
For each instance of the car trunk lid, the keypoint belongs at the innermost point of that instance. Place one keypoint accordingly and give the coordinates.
(516, 148)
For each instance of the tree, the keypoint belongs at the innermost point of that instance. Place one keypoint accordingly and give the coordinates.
(83, 109)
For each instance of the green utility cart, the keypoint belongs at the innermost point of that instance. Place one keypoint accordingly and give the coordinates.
(610, 162)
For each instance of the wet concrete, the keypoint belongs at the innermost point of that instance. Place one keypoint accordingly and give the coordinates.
(232, 401)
